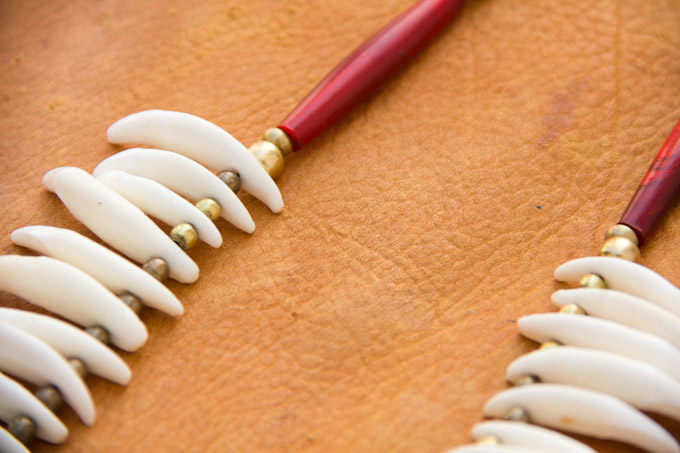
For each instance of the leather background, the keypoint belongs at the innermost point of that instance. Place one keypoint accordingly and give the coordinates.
(378, 311)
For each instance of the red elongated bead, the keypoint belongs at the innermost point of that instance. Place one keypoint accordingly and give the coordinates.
(657, 190)
(362, 72)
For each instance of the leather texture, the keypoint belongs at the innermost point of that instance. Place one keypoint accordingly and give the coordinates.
(378, 311)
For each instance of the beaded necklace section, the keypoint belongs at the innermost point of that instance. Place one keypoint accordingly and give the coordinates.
(611, 351)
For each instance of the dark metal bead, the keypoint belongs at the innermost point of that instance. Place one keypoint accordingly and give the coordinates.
(50, 397)
(157, 267)
(99, 333)
(133, 302)
(231, 178)
(23, 428)
(527, 380)
(518, 414)
(78, 366)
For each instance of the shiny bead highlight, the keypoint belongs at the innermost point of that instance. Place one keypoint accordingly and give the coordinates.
(184, 235)
(550, 344)
(99, 333)
(133, 302)
(50, 397)
(231, 178)
(623, 231)
(23, 428)
(78, 366)
(280, 139)
(592, 281)
(488, 440)
(518, 414)
(620, 247)
(527, 380)
(157, 267)
(269, 156)
(572, 309)
(210, 207)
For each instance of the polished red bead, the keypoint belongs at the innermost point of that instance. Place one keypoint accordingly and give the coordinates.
(362, 72)
(658, 189)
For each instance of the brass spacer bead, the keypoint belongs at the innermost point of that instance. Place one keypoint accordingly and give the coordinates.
(518, 414)
(231, 178)
(210, 207)
(488, 440)
(572, 309)
(133, 302)
(184, 235)
(623, 231)
(620, 247)
(99, 333)
(157, 267)
(550, 344)
(592, 281)
(78, 366)
(280, 139)
(22, 428)
(527, 380)
(50, 397)
(270, 157)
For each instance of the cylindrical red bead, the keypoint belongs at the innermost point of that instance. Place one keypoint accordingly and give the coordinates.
(361, 73)
(658, 189)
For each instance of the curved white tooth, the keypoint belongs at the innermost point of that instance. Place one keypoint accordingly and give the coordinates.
(182, 175)
(532, 436)
(10, 444)
(70, 342)
(596, 333)
(584, 412)
(624, 309)
(16, 400)
(637, 383)
(117, 221)
(110, 269)
(63, 289)
(202, 141)
(626, 276)
(480, 448)
(162, 203)
(32, 360)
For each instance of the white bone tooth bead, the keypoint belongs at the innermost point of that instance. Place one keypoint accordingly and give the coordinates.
(162, 203)
(637, 383)
(202, 141)
(10, 444)
(500, 448)
(528, 436)
(625, 276)
(32, 360)
(70, 342)
(117, 221)
(623, 308)
(110, 269)
(182, 175)
(596, 333)
(584, 412)
(63, 289)
(16, 400)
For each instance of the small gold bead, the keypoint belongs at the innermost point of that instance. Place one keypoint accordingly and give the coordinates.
(622, 231)
(184, 235)
(488, 440)
(99, 333)
(550, 344)
(572, 309)
(22, 428)
(50, 397)
(518, 414)
(620, 247)
(133, 302)
(157, 267)
(592, 281)
(280, 139)
(527, 380)
(231, 178)
(269, 156)
(78, 366)
(209, 207)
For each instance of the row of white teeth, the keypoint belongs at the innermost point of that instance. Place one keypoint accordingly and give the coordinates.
(604, 370)
(79, 279)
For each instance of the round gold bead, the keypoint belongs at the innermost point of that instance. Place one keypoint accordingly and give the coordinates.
(592, 281)
(78, 366)
(620, 247)
(231, 178)
(209, 207)
(99, 333)
(488, 440)
(280, 139)
(622, 231)
(22, 428)
(157, 267)
(133, 302)
(184, 235)
(50, 397)
(572, 309)
(550, 344)
(518, 414)
(269, 156)
(527, 380)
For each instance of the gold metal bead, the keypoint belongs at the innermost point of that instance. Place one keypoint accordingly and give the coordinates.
(23, 428)
(572, 309)
(550, 344)
(488, 440)
(78, 366)
(99, 333)
(518, 414)
(184, 235)
(232, 179)
(527, 380)
(270, 157)
(620, 247)
(133, 302)
(592, 281)
(280, 139)
(210, 207)
(157, 267)
(50, 397)
(622, 231)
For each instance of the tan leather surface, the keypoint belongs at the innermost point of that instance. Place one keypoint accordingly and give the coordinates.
(377, 312)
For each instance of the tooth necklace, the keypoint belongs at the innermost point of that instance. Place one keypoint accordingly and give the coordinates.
(99, 290)
(611, 351)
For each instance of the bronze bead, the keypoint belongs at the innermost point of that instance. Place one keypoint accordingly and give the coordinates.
(518, 414)
(210, 207)
(550, 344)
(50, 397)
(184, 235)
(231, 178)
(157, 267)
(269, 156)
(527, 380)
(99, 333)
(572, 309)
(623, 231)
(280, 139)
(488, 440)
(620, 247)
(133, 302)
(78, 366)
(592, 281)
(23, 428)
